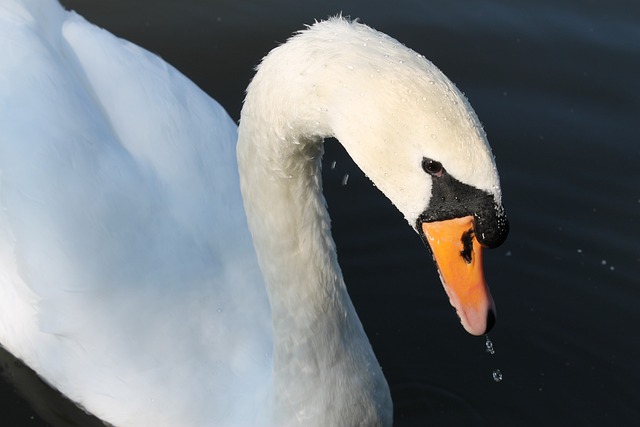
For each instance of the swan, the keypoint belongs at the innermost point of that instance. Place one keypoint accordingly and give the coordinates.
(161, 266)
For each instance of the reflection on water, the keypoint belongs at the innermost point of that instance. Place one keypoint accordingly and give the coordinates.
(555, 84)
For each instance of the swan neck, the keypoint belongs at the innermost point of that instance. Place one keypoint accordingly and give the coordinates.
(319, 342)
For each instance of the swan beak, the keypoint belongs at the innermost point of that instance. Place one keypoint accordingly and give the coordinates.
(458, 256)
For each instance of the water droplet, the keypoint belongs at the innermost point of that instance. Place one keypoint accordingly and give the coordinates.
(333, 164)
(431, 82)
(497, 375)
(345, 179)
(350, 67)
(489, 345)
(434, 136)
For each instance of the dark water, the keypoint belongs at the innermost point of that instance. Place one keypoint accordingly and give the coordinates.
(556, 86)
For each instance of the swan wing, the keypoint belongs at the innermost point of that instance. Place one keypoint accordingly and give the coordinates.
(127, 272)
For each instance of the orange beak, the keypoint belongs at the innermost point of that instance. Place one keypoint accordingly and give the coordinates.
(458, 256)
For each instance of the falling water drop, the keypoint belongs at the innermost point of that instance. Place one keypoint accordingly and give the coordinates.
(333, 164)
(345, 179)
(489, 345)
(496, 374)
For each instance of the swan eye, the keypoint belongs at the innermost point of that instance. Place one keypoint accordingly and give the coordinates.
(432, 167)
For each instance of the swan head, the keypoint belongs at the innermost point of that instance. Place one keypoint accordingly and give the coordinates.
(417, 138)
(413, 133)
(420, 142)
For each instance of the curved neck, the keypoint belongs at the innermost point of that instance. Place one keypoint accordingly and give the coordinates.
(324, 367)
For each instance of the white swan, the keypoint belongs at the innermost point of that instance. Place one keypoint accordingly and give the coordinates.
(130, 278)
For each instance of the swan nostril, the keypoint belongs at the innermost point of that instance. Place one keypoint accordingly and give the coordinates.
(467, 246)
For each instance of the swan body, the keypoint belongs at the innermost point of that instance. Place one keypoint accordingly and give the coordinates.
(161, 267)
